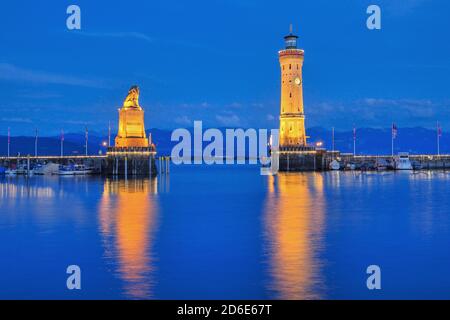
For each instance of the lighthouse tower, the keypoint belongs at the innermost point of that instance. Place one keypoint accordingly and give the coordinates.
(292, 117)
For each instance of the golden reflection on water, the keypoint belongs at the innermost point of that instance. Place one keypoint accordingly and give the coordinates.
(128, 214)
(294, 222)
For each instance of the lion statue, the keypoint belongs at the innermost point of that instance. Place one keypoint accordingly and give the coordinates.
(132, 99)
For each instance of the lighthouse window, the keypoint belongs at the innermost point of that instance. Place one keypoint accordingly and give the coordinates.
(290, 94)
(289, 67)
(297, 67)
(283, 67)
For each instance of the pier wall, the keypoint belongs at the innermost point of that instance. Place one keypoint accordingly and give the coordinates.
(319, 160)
(130, 166)
(108, 165)
(301, 162)
(419, 162)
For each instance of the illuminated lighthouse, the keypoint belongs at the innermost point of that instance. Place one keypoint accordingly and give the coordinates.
(293, 153)
(292, 117)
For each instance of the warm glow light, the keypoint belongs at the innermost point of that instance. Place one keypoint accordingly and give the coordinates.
(128, 217)
(131, 122)
(294, 224)
(319, 144)
(104, 143)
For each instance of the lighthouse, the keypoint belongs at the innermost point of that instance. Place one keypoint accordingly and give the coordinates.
(293, 153)
(292, 117)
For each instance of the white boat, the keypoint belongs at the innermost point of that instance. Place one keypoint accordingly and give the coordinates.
(11, 172)
(81, 169)
(334, 165)
(402, 161)
(45, 169)
(74, 170)
(21, 169)
(381, 164)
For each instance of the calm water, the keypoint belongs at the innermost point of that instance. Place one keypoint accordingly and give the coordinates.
(226, 232)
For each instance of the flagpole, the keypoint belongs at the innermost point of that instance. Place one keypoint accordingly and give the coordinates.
(62, 143)
(109, 134)
(332, 137)
(36, 144)
(438, 129)
(392, 146)
(392, 139)
(354, 141)
(86, 144)
(9, 140)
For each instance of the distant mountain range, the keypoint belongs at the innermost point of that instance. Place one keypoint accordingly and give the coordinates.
(369, 141)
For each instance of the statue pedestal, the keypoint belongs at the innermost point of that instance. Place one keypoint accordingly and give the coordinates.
(131, 128)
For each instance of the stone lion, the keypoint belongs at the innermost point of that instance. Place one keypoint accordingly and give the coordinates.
(132, 99)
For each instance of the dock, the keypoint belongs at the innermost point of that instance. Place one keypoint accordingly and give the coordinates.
(116, 162)
(303, 159)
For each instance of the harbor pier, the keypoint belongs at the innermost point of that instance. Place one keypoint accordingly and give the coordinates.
(387, 162)
(297, 159)
(114, 163)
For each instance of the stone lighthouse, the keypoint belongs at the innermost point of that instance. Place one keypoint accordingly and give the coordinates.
(292, 117)
(293, 153)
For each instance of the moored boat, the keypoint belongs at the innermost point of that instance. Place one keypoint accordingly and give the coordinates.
(45, 169)
(334, 165)
(402, 161)
(74, 170)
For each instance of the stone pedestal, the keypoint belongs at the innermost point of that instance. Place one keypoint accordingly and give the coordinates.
(131, 128)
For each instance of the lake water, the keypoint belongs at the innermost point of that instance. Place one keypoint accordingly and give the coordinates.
(207, 232)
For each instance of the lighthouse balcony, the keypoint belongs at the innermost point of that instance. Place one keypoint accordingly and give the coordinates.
(291, 52)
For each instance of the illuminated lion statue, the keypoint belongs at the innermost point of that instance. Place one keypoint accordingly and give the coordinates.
(132, 99)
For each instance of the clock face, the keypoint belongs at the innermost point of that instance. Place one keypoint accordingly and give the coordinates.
(297, 81)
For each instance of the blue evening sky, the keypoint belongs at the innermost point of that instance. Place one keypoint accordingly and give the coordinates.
(216, 61)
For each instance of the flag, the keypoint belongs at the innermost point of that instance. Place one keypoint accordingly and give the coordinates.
(394, 131)
(439, 130)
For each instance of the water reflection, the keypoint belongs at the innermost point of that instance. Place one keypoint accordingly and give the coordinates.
(294, 222)
(128, 216)
(11, 189)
